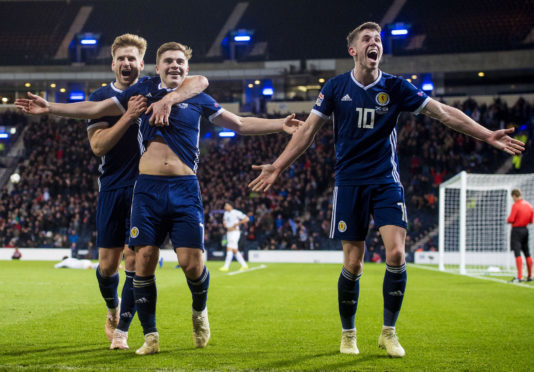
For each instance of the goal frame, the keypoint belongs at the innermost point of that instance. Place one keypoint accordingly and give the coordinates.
(461, 181)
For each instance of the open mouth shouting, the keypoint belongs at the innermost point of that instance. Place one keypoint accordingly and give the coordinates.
(372, 54)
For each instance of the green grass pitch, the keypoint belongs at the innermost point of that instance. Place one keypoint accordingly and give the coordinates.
(281, 317)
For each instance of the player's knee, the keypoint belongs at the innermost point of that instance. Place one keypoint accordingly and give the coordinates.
(192, 270)
(354, 265)
(395, 257)
(107, 266)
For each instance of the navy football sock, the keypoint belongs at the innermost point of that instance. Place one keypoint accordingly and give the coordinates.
(393, 292)
(128, 307)
(108, 288)
(199, 289)
(348, 291)
(145, 299)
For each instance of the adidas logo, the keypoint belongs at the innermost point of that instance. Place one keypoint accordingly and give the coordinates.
(127, 315)
(346, 98)
(349, 302)
(149, 95)
(396, 293)
(142, 300)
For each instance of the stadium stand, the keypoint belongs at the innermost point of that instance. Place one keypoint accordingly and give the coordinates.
(32, 31)
(468, 26)
(54, 202)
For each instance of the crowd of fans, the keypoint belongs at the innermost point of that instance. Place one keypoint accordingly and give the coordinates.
(54, 203)
(10, 120)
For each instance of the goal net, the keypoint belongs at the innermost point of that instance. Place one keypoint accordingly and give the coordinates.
(474, 236)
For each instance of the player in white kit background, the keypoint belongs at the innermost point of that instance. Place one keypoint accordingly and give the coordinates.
(232, 218)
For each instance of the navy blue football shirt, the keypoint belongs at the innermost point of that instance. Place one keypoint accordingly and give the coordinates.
(365, 120)
(120, 166)
(183, 133)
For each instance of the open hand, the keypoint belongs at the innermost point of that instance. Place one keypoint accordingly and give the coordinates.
(501, 140)
(269, 174)
(291, 124)
(34, 105)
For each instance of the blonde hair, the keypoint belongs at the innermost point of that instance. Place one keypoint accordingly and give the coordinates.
(172, 45)
(127, 40)
(364, 26)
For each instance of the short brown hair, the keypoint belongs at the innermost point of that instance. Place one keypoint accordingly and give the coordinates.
(127, 40)
(516, 193)
(172, 45)
(364, 26)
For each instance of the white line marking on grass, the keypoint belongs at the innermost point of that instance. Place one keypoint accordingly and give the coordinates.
(246, 271)
(473, 276)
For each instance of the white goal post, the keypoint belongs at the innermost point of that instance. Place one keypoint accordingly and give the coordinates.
(474, 236)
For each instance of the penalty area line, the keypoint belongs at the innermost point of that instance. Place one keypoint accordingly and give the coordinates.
(246, 271)
(472, 276)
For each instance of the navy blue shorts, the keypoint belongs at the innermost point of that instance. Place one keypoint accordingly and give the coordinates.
(353, 207)
(170, 205)
(113, 217)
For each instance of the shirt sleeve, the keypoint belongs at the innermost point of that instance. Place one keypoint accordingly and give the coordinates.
(513, 213)
(101, 122)
(413, 99)
(122, 98)
(324, 104)
(210, 108)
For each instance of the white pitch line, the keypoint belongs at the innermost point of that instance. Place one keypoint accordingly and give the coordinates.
(473, 276)
(246, 271)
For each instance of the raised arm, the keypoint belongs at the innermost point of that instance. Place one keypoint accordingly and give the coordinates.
(161, 109)
(460, 122)
(299, 143)
(255, 126)
(103, 139)
(37, 105)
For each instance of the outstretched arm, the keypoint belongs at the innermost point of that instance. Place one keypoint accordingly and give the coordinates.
(300, 141)
(103, 139)
(37, 105)
(256, 126)
(460, 122)
(161, 109)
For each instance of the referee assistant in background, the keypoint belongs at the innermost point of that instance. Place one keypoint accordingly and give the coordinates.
(520, 216)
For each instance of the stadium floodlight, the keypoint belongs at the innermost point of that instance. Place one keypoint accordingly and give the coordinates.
(427, 87)
(267, 87)
(227, 134)
(88, 41)
(399, 29)
(242, 38)
(399, 32)
(76, 95)
(13, 130)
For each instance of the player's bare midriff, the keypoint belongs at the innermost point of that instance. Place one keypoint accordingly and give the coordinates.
(160, 160)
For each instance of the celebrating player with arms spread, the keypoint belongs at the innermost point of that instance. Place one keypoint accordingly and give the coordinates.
(167, 195)
(365, 103)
